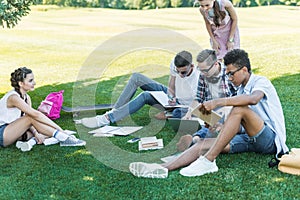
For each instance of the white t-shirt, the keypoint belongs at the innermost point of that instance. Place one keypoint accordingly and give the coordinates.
(268, 108)
(8, 115)
(185, 88)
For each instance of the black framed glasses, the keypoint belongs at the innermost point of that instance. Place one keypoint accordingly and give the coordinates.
(184, 73)
(207, 70)
(231, 74)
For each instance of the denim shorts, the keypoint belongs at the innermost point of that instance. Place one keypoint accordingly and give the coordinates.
(263, 142)
(2, 127)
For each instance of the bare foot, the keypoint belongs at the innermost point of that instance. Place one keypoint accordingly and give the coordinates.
(184, 143)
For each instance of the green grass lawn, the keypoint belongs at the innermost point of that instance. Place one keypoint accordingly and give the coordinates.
(90, 53)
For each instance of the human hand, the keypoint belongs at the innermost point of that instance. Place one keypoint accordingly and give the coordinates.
(172, 101)
(230, 45)
(207, 106)
(216, 128)
(216, 46)
(203, 109)
(40, 138)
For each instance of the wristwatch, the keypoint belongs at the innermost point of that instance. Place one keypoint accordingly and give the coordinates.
(230, 40)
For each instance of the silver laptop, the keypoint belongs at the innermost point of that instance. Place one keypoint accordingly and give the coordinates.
(184, 126)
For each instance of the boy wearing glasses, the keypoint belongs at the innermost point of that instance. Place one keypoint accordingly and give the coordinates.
(212, 84)
(181, 90)
(256, 108)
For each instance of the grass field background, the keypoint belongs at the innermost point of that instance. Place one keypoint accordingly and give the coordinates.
(58, 44)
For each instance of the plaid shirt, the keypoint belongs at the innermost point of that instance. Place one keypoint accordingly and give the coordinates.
(227, 89)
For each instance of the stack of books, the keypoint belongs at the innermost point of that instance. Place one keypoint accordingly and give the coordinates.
(150, 143)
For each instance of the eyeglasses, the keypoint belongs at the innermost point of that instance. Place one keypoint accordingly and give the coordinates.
(184, 73)
(207, 70)
(231, 74)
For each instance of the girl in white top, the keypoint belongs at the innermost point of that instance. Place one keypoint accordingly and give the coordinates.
(18, 117)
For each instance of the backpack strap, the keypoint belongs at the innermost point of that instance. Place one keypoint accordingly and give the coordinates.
(275, 160)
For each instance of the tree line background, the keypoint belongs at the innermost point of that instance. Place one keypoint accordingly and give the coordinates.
(153, 4)
(11, 11)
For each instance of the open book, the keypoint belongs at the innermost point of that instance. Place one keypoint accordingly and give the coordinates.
(211, 118)
(109, 131)
(163, 99)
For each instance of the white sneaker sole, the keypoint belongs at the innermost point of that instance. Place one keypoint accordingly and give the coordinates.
(147, 170)
(199, 173)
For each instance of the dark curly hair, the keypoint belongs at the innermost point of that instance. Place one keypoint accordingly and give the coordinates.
(18, 76)
(238, 58)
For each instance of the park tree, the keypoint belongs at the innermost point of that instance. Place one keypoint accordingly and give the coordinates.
(290, 2)
(163, 3)
(262, 2)
(176, 3)
(11, 11)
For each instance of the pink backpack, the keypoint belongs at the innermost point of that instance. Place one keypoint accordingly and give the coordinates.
(51, 106)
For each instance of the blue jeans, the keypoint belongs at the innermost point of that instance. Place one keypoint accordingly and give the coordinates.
(125, 106)
(179, 112)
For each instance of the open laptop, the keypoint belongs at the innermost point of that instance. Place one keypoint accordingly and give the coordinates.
(185, 126)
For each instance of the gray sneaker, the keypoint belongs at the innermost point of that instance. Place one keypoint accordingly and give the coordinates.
(72, 141)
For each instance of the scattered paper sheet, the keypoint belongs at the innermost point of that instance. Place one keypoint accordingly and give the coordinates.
(109, 131)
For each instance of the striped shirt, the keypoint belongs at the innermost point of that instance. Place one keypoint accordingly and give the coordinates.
(225, 87)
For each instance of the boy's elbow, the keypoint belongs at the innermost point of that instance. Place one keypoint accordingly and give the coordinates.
(253, 101)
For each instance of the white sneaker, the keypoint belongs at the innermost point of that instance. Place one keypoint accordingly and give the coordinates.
(72, 141)
(200, 167)
(148, 170)
(94, 122)
(24, 146)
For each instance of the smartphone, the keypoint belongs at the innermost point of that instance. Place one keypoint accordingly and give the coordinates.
(133, 140)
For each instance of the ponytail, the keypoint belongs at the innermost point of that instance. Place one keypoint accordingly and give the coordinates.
(18, 76)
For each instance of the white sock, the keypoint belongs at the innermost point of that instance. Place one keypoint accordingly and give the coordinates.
(60, 135)
(32, 141)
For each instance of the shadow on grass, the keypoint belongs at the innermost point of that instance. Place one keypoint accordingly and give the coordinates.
(107, 91)
(71, 172)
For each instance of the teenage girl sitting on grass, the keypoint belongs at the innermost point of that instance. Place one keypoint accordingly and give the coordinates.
(19, 120)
